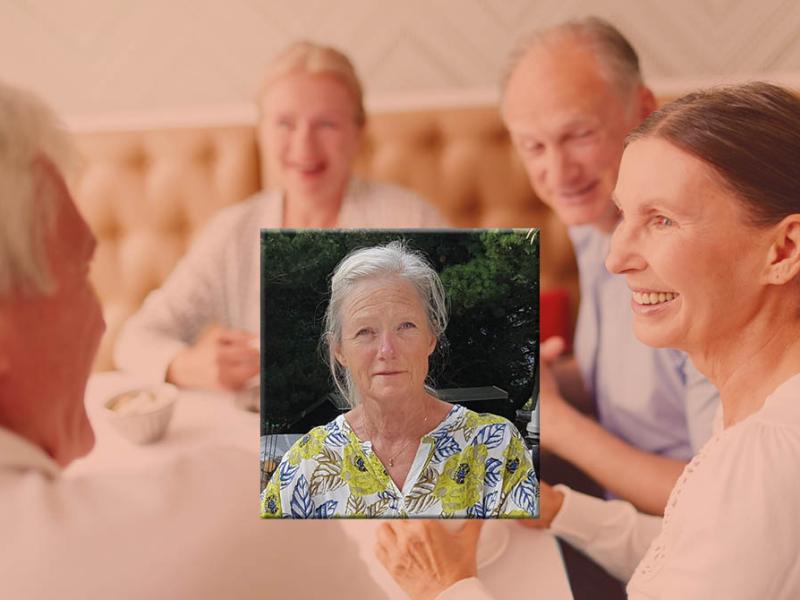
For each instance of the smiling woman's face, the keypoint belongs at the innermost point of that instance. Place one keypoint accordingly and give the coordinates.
(694, 265)
(386, 339)
(309, 133)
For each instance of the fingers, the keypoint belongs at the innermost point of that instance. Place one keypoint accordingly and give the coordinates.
(471, 532)
(237, 337)
(401, 550)
(551, 348)
(236, 357)
(386, 541)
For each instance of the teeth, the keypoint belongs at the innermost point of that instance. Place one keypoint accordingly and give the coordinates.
(653, 297)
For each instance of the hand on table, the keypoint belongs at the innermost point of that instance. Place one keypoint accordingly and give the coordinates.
(550, 501)
(425, 558)
(220, 359)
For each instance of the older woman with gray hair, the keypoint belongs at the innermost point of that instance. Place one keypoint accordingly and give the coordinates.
(400, 451)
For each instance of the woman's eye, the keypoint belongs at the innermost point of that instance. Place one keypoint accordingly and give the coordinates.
(408, 325)
(364, 331)
(662, 221)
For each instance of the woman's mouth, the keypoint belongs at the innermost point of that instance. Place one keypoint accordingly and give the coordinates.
(651, 302)
(649, 298)
(308, 169)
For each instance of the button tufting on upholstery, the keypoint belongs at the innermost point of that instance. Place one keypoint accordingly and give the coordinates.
(146, 194)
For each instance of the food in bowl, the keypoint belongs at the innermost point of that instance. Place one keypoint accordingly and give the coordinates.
(137, 402)
(142, 415)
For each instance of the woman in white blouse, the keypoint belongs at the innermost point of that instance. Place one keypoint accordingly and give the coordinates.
(709, 191)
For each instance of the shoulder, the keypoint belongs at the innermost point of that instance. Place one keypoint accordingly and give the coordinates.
(377, 204)
(244, 212)
(747, 474)
(230, 225)
(734, 504)
(493, 431)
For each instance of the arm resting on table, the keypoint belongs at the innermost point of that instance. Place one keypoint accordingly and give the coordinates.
(610, 532)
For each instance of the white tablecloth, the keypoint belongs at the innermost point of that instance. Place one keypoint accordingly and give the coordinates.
(530, 567)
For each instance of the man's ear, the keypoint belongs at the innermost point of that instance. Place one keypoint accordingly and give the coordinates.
(647, 102)
(783, 256)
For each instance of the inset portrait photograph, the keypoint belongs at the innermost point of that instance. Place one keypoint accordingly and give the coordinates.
(398, 372)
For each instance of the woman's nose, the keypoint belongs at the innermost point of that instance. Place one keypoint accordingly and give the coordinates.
(386, 348)
(624, 252)
(304, 143)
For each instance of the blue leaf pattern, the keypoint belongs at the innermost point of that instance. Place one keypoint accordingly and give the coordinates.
(482, 509)
(327, 510)
(318, 487)
(336, 440)
(492, 476)
(525, 495)
(301, 505)
(490, 435)
(445, 446)
(287, 473)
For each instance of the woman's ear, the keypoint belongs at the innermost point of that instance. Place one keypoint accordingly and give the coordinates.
(432, 345)
(783, 258)
(336, 348)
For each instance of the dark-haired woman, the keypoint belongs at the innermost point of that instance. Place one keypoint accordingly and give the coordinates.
(709, 241)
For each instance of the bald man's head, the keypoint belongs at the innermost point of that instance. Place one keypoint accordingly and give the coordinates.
(569, 101)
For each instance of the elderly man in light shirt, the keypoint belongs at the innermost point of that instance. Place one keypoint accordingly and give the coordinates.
(573, 93)
(188, 529)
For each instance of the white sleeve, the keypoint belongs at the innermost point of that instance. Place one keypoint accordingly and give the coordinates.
(466, 589)
(192, 297)
(611, 532)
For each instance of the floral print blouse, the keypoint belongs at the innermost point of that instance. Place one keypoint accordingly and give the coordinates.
(471, 465)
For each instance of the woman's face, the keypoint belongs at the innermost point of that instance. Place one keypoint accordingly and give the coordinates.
(693, 264)
(386, 339)
(309, 133)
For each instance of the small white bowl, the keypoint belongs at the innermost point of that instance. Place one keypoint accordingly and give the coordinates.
(142, 415)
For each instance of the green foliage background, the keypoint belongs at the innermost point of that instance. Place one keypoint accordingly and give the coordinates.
(492, 282)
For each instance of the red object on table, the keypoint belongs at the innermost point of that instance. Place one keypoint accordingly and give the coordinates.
(555, 317)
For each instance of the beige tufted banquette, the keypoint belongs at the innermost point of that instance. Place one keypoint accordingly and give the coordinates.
(145, 194)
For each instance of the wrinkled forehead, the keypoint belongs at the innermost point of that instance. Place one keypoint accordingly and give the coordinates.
(374, 296)
(550, 88)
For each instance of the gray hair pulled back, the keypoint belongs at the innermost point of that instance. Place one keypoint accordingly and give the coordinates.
(394, 259)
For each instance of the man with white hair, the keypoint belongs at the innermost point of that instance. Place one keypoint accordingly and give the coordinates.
(189, 529)
(572, 95)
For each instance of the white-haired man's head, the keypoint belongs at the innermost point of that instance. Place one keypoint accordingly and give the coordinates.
(29, 134)
(51, 321)
(571, 95)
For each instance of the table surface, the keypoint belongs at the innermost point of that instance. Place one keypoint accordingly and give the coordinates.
(530, 567)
